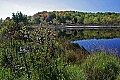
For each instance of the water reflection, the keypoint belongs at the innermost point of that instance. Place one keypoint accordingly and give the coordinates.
(107, 45)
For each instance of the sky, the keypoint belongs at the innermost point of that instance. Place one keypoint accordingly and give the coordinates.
(30, 7)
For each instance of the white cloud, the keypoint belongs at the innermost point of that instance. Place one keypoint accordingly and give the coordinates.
(29, 7)
(8, 8)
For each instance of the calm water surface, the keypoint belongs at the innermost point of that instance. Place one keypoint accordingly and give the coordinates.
(107, 45)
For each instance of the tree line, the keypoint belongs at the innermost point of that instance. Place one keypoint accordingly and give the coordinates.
(67, 18)
(77, 18)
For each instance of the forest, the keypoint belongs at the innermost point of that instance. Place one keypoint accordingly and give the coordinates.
(77, 18)
(70, 18)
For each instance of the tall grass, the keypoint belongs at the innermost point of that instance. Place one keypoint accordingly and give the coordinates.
(101, 66)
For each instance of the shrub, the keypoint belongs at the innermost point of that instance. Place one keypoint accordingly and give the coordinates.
(101, 66)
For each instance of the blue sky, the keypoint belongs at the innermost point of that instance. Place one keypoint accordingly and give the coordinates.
(29, 7)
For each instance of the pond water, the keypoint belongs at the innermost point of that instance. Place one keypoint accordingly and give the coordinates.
(102, 45)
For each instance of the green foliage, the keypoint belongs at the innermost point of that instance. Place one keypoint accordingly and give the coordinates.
(37, 58)
(79, 18)
(5, 74)
(75, 73)
(101, 66)
(118, 77)
(43, 54)
(19, 17)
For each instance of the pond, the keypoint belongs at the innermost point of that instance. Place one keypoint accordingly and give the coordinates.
(101, 45)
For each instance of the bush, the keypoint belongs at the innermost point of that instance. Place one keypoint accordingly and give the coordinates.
(101, 66)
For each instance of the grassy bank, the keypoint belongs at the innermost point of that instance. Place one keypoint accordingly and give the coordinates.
(44, 54)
